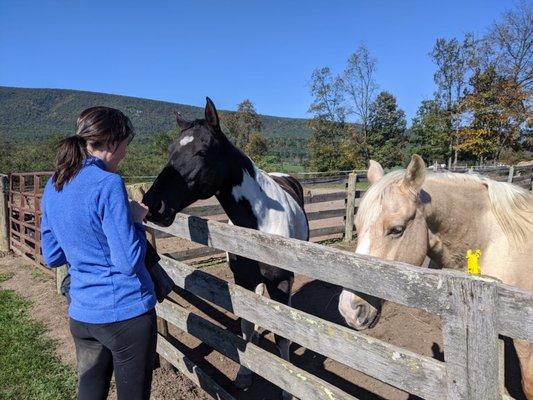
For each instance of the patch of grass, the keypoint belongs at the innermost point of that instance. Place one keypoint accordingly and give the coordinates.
(38, 274)
(30, 369)
(4, 276)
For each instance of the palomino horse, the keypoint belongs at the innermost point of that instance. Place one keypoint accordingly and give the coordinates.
(204, 163)
(406, 216)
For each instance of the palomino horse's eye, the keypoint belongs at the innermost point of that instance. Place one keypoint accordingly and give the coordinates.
(396, 231)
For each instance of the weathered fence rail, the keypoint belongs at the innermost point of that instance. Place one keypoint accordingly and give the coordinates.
(474, 311)
(336, 213)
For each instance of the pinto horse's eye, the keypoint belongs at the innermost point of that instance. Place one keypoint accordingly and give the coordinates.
(396, 231)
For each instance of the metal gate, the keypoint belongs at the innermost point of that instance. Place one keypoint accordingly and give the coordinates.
(25, 193)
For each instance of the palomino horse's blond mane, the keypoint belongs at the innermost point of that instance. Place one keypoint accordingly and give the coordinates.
(511, 205)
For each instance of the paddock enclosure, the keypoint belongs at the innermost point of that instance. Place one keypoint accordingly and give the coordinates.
(473, 310)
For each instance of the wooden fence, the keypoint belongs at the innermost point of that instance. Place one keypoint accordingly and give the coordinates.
(519, 175)
(474, 311)
(354, 182)
(20, 192)
(24, 214)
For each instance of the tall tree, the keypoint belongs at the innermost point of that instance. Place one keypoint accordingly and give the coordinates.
(257, 146)
(242, 123)
(328, 122)
(511, 40)
(496, 109)
(454, 61)
(386, 132)
(359, 84)
(429, 132)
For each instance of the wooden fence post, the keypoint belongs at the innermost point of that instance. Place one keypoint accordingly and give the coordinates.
(162, 325)
(470, 334)
(350, 207)
(61, 273)
(4, 213)
(511, 174)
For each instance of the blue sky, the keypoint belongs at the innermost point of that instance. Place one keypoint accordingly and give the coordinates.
(181, 51)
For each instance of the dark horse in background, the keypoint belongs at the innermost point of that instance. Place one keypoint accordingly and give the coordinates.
(204, 163)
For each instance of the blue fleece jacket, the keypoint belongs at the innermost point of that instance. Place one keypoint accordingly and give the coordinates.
(89, 225)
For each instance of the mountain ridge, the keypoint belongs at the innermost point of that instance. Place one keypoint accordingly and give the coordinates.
(40, 112)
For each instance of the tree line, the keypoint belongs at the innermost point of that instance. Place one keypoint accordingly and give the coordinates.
(148, 155)
(480, 111)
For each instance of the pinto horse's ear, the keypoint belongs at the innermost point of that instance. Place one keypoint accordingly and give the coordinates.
(415, 174)
(211, 115)
(182, 122)
(375, 172)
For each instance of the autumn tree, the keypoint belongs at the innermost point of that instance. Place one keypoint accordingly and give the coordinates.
(496, 107)
(241, 124)
(257, 146)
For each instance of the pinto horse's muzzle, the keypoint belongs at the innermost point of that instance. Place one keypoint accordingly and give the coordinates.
(159, 212)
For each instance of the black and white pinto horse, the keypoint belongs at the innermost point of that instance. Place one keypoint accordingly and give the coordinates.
(203, 162)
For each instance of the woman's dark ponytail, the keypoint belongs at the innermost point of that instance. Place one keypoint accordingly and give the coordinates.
(70, 155)
(97, 126)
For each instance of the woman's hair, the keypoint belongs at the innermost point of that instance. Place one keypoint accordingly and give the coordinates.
(98, 126)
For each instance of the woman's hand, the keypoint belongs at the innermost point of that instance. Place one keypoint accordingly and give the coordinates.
(138, 211)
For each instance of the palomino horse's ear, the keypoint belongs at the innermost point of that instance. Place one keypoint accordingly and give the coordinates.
(415, 174)
(211, 115)
(375, 172)
(182, 122)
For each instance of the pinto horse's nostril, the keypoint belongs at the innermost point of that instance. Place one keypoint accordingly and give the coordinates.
(161, 207)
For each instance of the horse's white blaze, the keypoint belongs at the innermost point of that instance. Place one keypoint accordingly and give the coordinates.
(275, 210)
(347, 298)
(186, 140)
(363, 246)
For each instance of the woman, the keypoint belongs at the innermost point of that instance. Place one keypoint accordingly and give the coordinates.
(88, 221)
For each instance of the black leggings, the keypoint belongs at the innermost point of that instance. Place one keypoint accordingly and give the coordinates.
(128, 347)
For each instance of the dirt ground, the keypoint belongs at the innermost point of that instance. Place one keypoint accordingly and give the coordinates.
(409, 328)
(51, 309)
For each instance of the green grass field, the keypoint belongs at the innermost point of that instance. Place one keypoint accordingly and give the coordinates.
(29, 367)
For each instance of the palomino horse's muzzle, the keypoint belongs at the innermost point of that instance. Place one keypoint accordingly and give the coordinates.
(359, 311)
